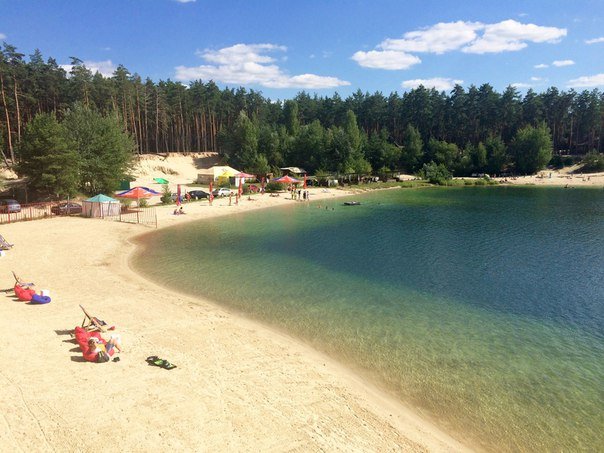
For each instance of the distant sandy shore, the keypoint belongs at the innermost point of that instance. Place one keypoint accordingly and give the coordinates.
(238, 385)
(557, 178)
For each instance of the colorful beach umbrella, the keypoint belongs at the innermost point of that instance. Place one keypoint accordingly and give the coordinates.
(244, 175)
(136, 193)
(286, 180)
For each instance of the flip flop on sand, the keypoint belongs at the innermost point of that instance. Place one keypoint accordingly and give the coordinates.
(156, 361)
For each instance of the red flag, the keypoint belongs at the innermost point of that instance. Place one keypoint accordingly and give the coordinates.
(211, 197)
(178, 195)
(304, 181)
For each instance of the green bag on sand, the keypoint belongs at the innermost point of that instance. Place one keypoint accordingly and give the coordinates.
(156, 361)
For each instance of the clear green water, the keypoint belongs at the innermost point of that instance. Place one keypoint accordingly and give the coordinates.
(483, 308)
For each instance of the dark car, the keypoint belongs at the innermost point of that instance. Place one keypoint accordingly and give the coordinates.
(66, 208)
(8, 205)
(198, 194)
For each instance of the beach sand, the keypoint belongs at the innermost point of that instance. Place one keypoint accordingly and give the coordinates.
(238, 385)
(568, 177)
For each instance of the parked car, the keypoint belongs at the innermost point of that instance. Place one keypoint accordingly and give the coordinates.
(8, 205)
(198, 194)
(222, 192)
(66, 208)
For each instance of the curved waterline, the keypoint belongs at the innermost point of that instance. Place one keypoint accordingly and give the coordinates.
(480, 307)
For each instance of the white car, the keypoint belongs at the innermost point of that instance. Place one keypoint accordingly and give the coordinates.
(222, 192)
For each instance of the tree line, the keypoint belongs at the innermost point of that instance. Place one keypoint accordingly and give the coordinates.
(466, 130)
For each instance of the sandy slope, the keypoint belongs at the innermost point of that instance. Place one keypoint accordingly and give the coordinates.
(239, 385)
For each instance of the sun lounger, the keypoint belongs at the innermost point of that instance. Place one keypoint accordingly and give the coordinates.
(92, 323)
(4, 244)
(21, 283)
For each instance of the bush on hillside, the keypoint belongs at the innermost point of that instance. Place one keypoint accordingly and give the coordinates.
(593, 162)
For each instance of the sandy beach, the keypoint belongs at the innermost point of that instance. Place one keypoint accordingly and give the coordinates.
(569, 177)
(238, 385)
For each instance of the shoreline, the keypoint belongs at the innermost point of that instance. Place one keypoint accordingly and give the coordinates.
(239, 384)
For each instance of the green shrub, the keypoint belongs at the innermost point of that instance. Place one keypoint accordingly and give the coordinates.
(272, 187)
(593, 162)
(436, 174)
(166, 197)
(165, 170)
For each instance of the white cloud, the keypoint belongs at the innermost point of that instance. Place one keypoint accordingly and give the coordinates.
(537, 79)
(594, 41)
(185, 1)
(385, 59)
(245, 64)
(440, 38)
(2, 36)
(510, 35)
(521, 85)
(587, 81)
(561, 63)
(438, 83)
(105, 68)
(541, 66)
(468, 37)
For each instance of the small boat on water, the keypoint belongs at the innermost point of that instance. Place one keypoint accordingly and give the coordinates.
(352, 203)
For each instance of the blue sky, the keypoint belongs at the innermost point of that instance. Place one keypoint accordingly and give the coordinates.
(323, 46)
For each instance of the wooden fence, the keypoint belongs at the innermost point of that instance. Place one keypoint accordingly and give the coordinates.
(37, 211)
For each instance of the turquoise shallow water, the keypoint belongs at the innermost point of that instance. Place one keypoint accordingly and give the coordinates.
(483, 308)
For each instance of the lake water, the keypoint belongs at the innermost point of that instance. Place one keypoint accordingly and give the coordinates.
(482, 308)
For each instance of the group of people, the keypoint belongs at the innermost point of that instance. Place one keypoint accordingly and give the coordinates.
(299, 194)
(179, 211)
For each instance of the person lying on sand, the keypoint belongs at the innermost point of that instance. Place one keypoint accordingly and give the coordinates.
(99, 350)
